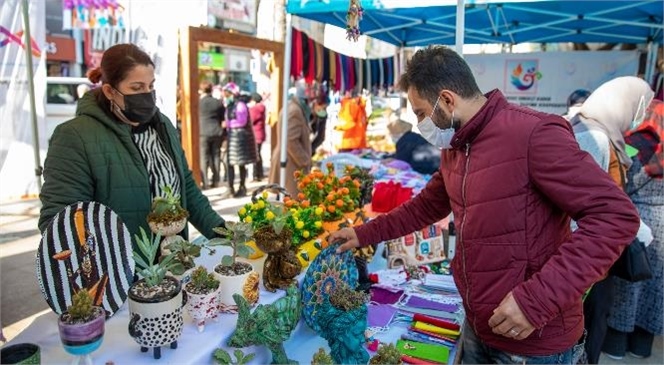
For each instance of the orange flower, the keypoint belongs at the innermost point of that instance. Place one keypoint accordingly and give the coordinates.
(305, 204)
(340, 203)
(300, 196)
(289, 203)
(330, 197)
(331, 209)
(345, 191)
(356, 183)
(320, 185)
(297, 174)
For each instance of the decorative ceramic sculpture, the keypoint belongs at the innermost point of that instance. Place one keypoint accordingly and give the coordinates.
(328, 270)
(281, 265)
(342, 320)
(268, 325)
(86, 246)
(81, 327)
(202, 290)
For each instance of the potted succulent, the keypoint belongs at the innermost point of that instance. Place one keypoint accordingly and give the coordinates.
(185, 254)
(81, 327)
(343, 321)
(235, 277)
(223, 357)
(202, 291)
(322, 358)
(156, 300)
(167, 217)
(386, 354)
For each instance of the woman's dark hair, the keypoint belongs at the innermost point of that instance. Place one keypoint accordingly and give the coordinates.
(116, 63)
(256, 97)
(438, 68)
(205, 86)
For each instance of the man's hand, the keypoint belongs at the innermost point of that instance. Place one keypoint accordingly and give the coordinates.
(346, 237)
(508, 320)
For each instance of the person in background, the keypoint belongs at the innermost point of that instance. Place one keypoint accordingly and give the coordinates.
(319, 119)
(513, 177)
(412, 148)
(637, 313)
(241, 143)
(211, 114)
(574, 102)
(120, 150)
(257, 113)
(615, 107)
(298, 148)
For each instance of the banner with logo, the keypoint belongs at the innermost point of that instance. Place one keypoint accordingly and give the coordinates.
(17, 161)
(544, 80)
(91, 14)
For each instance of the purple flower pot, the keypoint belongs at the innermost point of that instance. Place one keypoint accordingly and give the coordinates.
(82, 338)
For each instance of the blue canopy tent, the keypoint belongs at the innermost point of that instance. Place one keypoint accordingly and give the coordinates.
(412, 23)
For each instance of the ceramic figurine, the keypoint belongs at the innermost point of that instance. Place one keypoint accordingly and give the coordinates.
(269, 325)
(202, 290)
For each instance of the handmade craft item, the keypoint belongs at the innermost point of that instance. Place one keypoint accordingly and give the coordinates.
(342, 320)
(328, 270)
(202, 288)
(353, 17)
(81, 327)
(269, 325)
(86, 246)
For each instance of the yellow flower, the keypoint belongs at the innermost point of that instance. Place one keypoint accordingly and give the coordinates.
(305, 234)
(242, 211)
(264, 195)
(261, 204)
(254, 207)
(269, 215)
(319, 211)
(247, 219)
(299, 225)
(293, 211)
(318, 224)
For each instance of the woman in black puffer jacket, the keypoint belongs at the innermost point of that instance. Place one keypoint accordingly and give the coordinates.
(241, 141)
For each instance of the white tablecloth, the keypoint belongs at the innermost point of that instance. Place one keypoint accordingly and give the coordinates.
(193, 347)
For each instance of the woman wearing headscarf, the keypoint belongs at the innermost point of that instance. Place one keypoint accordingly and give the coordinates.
(637, 313)
(241, 142)
(615, 107)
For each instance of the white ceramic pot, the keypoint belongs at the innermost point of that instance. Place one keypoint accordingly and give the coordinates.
(170, 229)
(245, 285)
(202, 307)
(156, 323)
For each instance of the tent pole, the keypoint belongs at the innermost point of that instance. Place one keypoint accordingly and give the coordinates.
(650, 62)
(284, 105)
(460, 26)
(31, 92)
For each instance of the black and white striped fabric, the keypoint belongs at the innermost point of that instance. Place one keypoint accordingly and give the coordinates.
(62, 259)
(158, 162)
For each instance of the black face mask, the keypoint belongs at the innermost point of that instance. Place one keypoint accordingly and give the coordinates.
(140, 108)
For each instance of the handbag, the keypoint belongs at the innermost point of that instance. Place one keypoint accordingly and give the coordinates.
(633, 264)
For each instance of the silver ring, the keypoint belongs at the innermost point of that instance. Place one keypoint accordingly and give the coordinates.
(514, 333)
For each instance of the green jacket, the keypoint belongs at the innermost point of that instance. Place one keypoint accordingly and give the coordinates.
(93, 158)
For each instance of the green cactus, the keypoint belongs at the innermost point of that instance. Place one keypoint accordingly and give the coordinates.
(322, 358)
(166, 209)
(202, 281)
(81, 309)
(387, 354)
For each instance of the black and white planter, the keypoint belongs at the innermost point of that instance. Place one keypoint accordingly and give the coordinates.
(156, 318)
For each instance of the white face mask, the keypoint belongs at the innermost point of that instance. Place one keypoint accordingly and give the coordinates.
(441, 138)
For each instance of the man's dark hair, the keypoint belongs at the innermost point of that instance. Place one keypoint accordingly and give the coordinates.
(577, 97)
(435, 68)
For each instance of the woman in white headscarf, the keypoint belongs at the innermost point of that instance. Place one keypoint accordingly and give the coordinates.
(615, 107)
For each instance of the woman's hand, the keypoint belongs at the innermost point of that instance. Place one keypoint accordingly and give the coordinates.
(346, 238)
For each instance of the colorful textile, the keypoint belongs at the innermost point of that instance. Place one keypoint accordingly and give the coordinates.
(650, 137)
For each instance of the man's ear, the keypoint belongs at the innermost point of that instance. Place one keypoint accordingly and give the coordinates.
(448, 100)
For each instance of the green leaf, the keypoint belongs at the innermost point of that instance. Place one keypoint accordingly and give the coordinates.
(227, 260)
(220, 242)
(244, 251)
(248, 358)
(239, 355)
(178, 268)
(222, 357)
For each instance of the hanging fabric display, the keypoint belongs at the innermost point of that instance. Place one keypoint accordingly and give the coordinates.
(353, 18)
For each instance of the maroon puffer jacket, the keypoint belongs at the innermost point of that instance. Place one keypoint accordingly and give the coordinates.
(513, 179)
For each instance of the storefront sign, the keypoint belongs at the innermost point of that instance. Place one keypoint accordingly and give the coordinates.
(60, 49)
(233, 14)
(211, 61)
(92, 14)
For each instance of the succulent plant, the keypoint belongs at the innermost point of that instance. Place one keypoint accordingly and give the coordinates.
(146, 259)
(387, 354)
(223, 357)
(167, 208)
(185, 252)
(345, 298)
(322, 358)
(235, 235)
(202, 281)
(81, 309)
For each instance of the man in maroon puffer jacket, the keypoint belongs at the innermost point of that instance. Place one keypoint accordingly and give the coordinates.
(513, 177)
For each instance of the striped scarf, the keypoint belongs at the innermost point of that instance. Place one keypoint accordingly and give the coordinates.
(160, 165)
